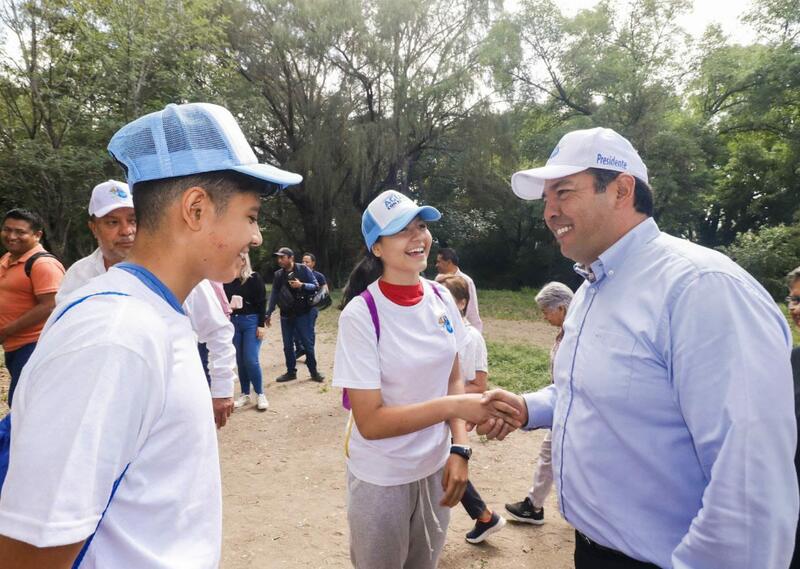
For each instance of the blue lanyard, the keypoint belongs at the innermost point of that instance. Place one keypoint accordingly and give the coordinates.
(151, 281)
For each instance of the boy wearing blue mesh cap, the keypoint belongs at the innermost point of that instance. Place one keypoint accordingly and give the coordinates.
(114, 454)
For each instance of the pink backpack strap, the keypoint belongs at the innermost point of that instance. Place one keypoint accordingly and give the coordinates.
(373, 311)
(376, 323)
(436, 290)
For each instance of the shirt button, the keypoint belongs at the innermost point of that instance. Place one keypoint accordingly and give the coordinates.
(611, 273)
(592, 290)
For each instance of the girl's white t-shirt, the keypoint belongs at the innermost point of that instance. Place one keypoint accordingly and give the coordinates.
(473, 357)
(410, 364)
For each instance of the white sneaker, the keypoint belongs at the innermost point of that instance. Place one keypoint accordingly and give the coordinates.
(262, 404)
(241, 402)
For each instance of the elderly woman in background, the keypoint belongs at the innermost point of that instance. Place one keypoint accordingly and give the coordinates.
(793, 303)
(553, 301)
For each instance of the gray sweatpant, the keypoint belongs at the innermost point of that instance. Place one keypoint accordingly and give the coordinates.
(396, 527)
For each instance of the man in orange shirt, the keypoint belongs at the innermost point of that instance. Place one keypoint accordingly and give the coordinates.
(27, 293)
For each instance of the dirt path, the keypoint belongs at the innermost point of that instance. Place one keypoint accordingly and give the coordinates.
(283, 478)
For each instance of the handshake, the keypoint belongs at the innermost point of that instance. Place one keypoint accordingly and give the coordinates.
(494, 414)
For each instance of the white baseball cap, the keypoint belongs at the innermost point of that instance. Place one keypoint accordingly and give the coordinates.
(577, 151)
(108, 196)
(389, 213)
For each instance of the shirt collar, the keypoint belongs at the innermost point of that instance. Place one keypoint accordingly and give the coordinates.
(153, 283)
(612, 258)
(24, 257)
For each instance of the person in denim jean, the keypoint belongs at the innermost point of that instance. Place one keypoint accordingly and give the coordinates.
(248, 297)
(292, 289)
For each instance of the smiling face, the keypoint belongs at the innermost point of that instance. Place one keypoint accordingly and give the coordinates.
(18, 236)
(405, 254)
(115, 233)
(230, 236)
(582, 220)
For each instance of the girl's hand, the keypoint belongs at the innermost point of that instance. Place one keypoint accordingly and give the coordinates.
(454, 481)
(476, 410)
(261, 332)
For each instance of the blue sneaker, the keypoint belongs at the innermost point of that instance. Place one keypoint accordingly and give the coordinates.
(482, 530)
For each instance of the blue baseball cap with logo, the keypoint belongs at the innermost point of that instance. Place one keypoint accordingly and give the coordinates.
(389, 213)
(193, 138)
(577, 151)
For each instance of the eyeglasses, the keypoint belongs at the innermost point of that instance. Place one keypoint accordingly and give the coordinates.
(790, 300)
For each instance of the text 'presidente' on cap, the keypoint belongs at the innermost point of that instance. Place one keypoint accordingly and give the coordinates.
(577, 151)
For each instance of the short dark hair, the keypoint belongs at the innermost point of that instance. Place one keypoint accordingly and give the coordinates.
(449, 254)
(642, 192)
(34, 219)
(151, 198)
(313, 257)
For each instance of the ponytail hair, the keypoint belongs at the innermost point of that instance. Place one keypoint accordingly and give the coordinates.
(366, 271)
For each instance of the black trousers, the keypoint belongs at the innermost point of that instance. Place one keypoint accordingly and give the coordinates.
(589, 555)
(472, 502)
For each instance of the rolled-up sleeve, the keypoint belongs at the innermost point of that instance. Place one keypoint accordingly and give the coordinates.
(215, 330)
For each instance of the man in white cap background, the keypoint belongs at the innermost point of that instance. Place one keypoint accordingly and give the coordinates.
(672, 403)
(112, 221)
(113, 456)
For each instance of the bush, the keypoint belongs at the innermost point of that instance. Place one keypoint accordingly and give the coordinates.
(768, 254)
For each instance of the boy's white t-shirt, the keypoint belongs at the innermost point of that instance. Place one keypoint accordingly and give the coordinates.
(410, 364)
(116, 381)
(473, 357)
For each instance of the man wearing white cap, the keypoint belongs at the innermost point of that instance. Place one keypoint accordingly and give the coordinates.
(113, 223)
(113, 456)
(672, 404)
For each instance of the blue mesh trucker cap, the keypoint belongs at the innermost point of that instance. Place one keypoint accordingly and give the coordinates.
(389, 213)
(193, 138)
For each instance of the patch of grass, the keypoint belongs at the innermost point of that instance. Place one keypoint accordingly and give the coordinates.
(509, 304)
(519, 368)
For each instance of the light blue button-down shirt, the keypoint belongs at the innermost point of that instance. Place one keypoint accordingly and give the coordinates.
(673, 409)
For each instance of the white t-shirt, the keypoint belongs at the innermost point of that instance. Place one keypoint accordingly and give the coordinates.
(117, 381)
(208, 319)
(473, 357)
(410, 364)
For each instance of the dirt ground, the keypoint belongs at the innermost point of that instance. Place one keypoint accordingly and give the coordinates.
(283, 475)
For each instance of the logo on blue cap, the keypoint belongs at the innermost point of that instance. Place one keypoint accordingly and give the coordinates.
(392, 201)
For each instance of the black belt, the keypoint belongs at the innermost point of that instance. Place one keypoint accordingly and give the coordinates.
(608, 552)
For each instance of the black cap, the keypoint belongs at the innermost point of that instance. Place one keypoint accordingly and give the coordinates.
(283, 251)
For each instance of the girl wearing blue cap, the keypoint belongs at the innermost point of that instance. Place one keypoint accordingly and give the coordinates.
(397, 357)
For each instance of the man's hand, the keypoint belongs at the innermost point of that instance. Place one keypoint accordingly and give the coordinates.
(268, 321)
(223, 407)
(501, 401)
(454, 481)
(296, 283)
(476, 410)
(261, 332)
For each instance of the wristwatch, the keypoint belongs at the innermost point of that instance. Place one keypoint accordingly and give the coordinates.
(461, 450)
